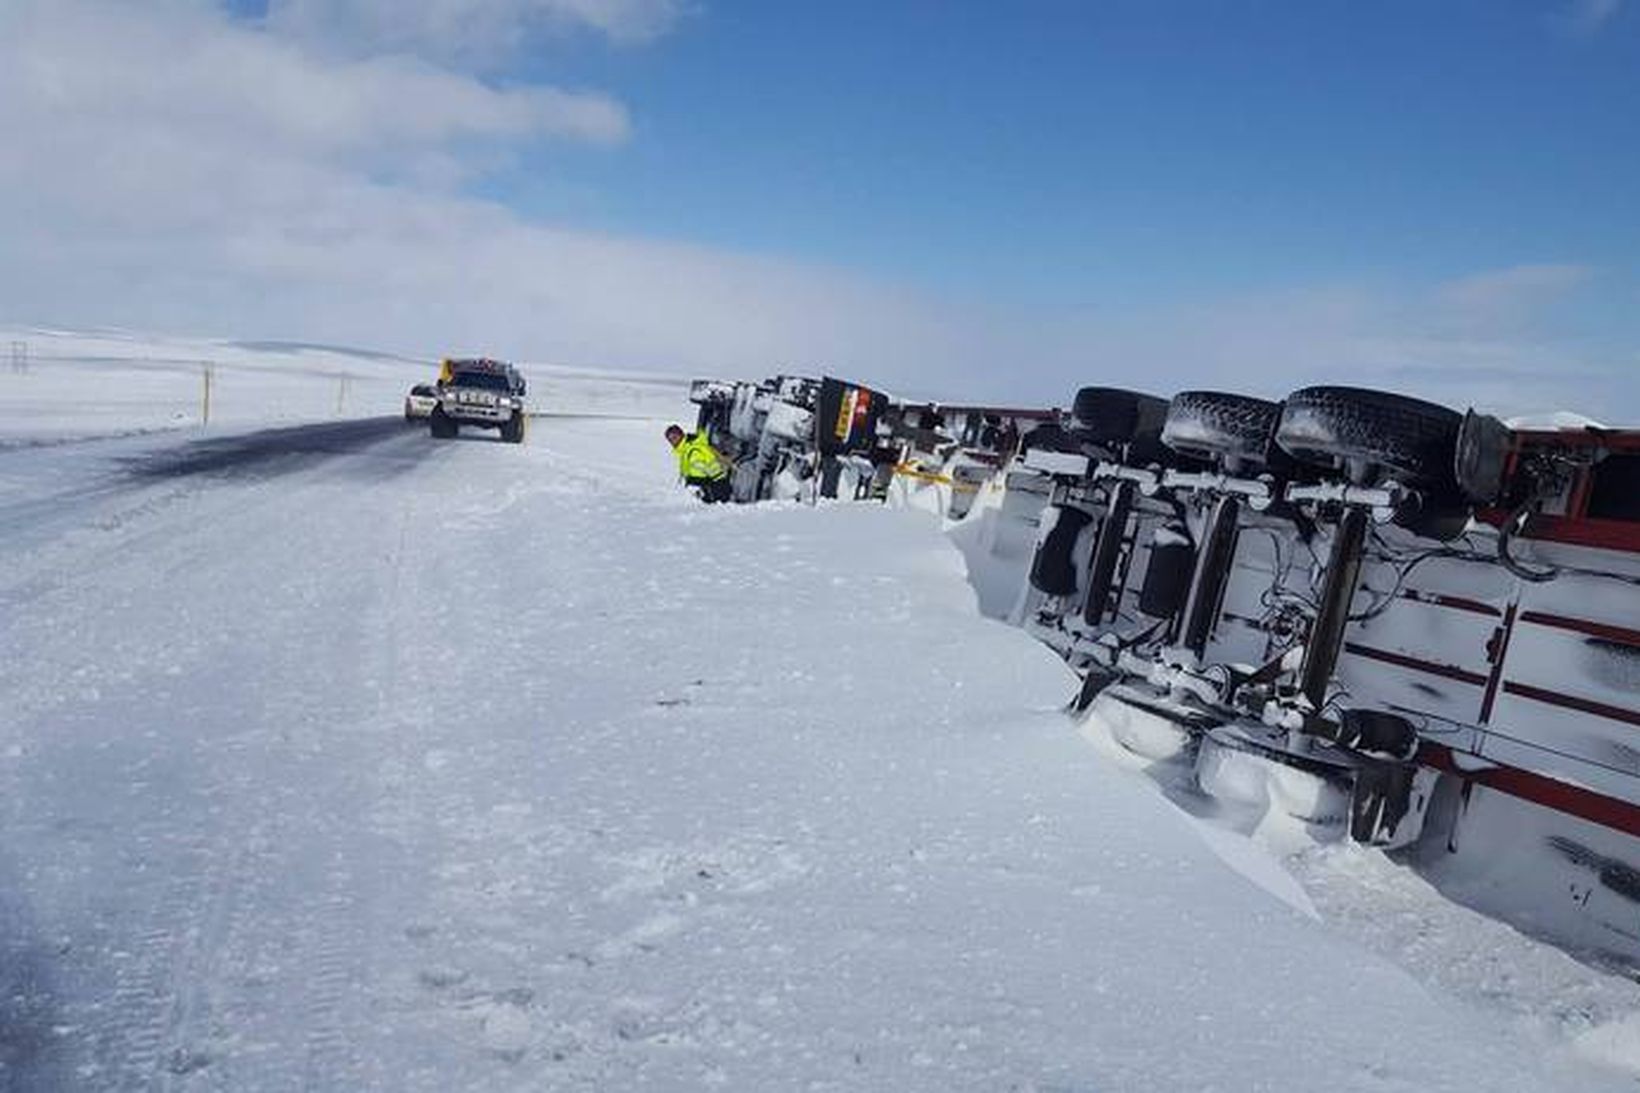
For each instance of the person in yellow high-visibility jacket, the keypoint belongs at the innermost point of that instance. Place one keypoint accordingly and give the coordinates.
(699, 464)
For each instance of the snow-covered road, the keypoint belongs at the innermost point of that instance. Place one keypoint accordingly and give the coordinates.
(343, 759)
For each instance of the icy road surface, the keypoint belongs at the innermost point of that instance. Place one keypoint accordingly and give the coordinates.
(343, 759)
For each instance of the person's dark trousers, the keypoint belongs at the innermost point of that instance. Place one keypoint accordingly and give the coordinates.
(713, 490)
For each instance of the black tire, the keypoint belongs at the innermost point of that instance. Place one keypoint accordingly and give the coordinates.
(1111, 415)
(441, 426)
(1377, 733)
(1372, 433)
(512, 430)
(1217, 426)
(1050, 438)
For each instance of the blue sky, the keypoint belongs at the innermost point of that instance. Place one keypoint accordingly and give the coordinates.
(971, 197)
(1072, 151)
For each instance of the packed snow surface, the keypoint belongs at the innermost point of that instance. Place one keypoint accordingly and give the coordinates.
(341, 758)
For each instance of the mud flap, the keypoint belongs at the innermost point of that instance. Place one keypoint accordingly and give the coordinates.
(831, 471)
(1389, 801)
(1107, 546)
(1167, 578)
(846, 418)
(1053, 570)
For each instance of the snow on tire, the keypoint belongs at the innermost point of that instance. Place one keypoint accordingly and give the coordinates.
(1211, 424)
(1414, 440)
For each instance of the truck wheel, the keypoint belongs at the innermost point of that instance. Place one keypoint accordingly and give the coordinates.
(441, 426)
(1404, 438)
(1214, 425)
(1049, 438)
(1378, 733)
(1112, 415)
(512, 430)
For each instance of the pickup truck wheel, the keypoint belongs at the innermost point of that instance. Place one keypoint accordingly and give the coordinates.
(441, 426)
(1404, 438)
(1214, 425)
(512, 430)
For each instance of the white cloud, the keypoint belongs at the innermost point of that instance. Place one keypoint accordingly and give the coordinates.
(168, 167)
(1511, 292)
(469, 29)
(1588, 16)
(114, 70)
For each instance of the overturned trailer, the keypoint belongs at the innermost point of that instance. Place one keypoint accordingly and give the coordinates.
(956, 451)
(1367, 615)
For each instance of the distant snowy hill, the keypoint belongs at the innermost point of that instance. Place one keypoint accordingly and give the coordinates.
(62, 384)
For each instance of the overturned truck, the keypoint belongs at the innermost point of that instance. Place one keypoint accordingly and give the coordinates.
(1362, 614)
(797, 438)
(802, 438)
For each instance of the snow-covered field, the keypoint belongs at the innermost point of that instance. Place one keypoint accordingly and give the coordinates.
(65, 384)
(338, 758)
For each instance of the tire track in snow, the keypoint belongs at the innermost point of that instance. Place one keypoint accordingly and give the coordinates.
(223, 958)
(246, 979)
(329, 1058)
(130, 1048)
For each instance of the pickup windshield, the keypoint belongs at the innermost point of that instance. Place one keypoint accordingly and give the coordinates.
(488, 381)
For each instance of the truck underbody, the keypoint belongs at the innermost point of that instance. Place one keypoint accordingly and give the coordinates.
(1320, 653)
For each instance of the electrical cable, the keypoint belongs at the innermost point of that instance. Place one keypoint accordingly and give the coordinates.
(1511, 527)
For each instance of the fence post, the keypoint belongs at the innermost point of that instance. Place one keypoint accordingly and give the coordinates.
(341, 392)
(206, 374)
